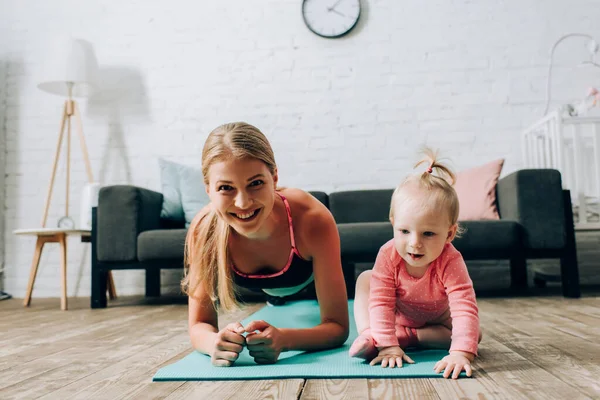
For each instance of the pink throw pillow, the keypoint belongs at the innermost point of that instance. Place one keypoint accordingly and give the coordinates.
(476, 189)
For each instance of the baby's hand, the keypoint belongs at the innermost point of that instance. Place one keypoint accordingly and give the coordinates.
(454, 363)
(391, 356)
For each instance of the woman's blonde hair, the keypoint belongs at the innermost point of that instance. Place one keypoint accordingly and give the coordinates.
(438, 180)
(206, 257)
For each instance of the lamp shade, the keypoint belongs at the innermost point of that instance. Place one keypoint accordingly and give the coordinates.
(73, 61)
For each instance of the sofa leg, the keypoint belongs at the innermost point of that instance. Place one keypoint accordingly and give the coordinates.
(99, 282)
(518, 273)
(99, 276)
(539, 283)
(569, 269)
(570, 276)
(349, 278)
(153, 282)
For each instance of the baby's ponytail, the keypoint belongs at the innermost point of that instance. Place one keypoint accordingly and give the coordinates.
(438, 180)
(443, 171)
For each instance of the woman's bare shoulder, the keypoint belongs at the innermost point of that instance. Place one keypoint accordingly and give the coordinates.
(311, 218)
(302, 203)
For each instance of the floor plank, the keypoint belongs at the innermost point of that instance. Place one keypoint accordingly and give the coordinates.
(520, 377)
(150, 391)
(534, 347)
(402, 389)
(578, 372)
(351, 389)
(248, 390)
(480, 386)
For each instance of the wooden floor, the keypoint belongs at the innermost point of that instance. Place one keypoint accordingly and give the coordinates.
(542, 347)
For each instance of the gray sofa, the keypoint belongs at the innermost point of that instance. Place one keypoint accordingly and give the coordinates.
(536, 221)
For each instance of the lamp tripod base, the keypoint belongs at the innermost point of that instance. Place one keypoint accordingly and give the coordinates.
(71, 111)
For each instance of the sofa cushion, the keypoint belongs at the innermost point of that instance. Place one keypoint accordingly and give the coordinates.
(489, 239)
(193, 192)
(476, 190)
(184, 191)
(161, 244)
(481, 240)
(361, 241)
(172, 208)
(361, 205)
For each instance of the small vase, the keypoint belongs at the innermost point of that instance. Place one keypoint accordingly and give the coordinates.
(89, 199)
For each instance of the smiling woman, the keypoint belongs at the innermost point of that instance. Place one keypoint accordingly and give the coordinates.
(254, 235)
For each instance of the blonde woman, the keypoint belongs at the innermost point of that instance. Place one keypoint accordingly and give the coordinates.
(255, 235)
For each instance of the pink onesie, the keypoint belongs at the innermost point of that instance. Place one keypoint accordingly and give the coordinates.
(398, 300)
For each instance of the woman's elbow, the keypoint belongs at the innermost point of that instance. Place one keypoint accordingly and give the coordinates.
(343, 331)
(344, 336)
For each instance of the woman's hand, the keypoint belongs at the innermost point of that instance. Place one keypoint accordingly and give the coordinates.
(228, 345)
(392, 356)
(266, 344)
(454, 363)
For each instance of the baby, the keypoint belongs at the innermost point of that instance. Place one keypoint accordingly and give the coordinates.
(419, 292)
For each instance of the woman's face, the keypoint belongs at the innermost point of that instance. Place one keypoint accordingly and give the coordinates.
(242, 192)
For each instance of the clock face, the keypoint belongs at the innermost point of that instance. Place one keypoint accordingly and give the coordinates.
(331, 18)
(66, 223)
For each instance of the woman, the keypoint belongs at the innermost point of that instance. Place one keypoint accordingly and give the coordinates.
(257, 236)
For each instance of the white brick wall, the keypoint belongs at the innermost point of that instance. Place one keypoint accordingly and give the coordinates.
(349, 113)
(3, 65)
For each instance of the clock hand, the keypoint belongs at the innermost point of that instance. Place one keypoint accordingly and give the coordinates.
(337, 12)
(332, 8)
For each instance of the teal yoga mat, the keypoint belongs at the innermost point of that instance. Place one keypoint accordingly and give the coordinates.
(334, 363)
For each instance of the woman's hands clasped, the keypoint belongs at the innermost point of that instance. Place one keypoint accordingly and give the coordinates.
(229, 343)
(263, 340)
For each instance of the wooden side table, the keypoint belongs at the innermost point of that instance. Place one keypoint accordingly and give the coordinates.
(56, 235)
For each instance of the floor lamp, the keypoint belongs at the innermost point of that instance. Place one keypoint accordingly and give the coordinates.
(70, 72)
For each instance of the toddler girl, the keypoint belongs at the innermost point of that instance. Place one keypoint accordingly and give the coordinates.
(419, 292)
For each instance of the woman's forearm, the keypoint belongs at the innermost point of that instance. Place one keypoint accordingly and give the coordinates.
(202, 336)
(323, 336)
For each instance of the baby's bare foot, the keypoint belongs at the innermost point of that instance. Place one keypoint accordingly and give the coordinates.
(363, 347)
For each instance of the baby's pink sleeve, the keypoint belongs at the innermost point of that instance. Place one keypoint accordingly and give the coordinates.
(463, 306)
(382, 302)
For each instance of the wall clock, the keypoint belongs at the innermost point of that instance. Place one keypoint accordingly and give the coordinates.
(330, 18)
(66, 223)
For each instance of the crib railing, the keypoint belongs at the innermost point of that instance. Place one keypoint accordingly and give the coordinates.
(572, 146)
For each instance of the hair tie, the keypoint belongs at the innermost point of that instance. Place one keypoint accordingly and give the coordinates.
(430, 169)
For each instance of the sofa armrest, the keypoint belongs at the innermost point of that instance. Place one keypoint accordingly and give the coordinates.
(123, 213)
(534, 198)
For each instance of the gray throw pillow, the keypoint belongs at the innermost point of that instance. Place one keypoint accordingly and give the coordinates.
(193, 192)
(183, 191)
(169, 178)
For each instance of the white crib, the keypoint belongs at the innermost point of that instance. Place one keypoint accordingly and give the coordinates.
(572, 146)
